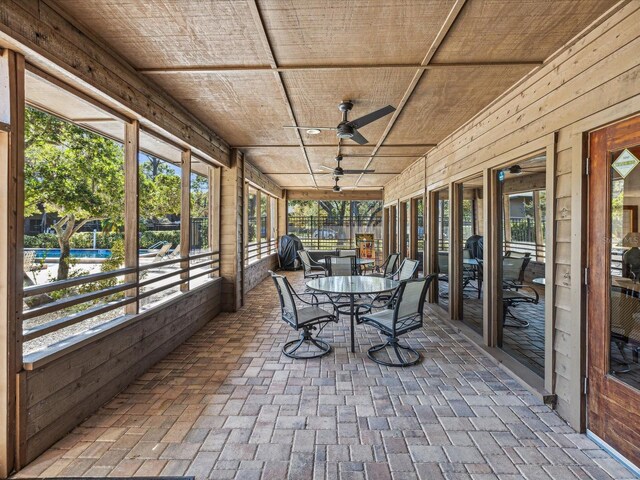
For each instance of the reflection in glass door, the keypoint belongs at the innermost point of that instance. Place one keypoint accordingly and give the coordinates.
(521, 328)
(441, 205)
(471, 253)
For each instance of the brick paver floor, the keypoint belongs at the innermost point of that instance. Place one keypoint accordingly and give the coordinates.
(228, 404)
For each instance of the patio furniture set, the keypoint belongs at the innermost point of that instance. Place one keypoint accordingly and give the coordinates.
(389, 299)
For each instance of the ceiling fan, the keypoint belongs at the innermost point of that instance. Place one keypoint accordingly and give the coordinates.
(339, 171)
(349, 129)
(518, 170)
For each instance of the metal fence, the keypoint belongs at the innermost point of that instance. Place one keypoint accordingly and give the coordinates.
(327, 233)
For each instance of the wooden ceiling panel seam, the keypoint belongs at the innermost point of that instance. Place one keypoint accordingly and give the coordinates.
(169, 70)
(264, 37)
(442, 33)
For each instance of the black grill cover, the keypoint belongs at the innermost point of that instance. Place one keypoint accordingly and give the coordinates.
(288, 252)
(475, 245)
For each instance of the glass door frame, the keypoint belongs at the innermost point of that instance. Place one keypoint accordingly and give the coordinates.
(492, 279)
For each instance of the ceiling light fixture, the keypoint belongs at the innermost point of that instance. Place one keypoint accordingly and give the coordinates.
(313, 131)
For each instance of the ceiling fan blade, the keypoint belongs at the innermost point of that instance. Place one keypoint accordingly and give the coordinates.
(357, 172)
(371, 117)
(310, 128)
(324, 167)
(358, 138)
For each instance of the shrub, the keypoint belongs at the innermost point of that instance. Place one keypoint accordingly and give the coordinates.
(42, 240)
(149, 238)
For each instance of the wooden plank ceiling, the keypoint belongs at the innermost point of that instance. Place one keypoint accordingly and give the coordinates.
(248, 67)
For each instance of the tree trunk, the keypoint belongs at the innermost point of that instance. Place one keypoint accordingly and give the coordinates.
(65, 255)
(64, 229)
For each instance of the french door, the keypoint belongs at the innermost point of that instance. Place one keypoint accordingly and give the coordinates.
(613, 303)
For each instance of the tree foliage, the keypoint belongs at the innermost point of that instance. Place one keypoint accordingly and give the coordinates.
(78, 177)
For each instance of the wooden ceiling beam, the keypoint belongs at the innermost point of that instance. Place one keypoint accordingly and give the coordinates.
(442, 33)
(303, 68)
(262, 32)
(355, 145)
(346, 194)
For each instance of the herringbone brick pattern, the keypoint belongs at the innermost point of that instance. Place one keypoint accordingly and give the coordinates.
(228, 404)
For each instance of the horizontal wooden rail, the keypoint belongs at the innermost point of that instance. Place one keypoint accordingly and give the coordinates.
(60, 323)
(75, 300)
(148, 293)
(162, 277)
(74, 282)
(207, 272)
(209, 261)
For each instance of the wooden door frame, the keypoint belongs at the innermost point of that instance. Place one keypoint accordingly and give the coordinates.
(604, 387)
(12, 376)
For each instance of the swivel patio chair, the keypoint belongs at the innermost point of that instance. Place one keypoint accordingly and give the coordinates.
(311, 268)
(513, 268)
(306, 319)
(406, 315)
(388, 268)
(341, 266)
(407, 271)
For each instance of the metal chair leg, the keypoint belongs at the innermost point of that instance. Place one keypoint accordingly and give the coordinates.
(322, 347)
(395, 344)
(519, 323)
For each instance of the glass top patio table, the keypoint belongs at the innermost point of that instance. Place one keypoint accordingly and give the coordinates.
(352, 286)
(359, 261)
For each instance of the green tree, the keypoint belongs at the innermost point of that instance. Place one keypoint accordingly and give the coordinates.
(73, 173)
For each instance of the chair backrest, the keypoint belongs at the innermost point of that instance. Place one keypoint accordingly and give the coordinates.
(350, 252)
(475, 245)
(305, 259)
(341, 266)
(512, 254)
(391, 264)
(466, 253)
(513, 268)
(443, 263)
(410, 299)
(408, 269)
(29, 260)
(163, 251)
(287, 302)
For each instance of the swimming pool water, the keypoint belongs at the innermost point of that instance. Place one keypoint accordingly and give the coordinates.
(77, 252)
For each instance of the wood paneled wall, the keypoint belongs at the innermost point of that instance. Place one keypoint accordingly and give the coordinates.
(62, 393)
(255, 176)
(591, 82)
(232, 194)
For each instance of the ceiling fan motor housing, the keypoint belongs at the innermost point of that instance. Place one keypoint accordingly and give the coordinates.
(344, 130)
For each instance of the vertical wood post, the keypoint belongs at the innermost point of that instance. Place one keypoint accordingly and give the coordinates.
(402, 229)
(11, 252)
(185, 218)
(282, 214)
(232, 208)
(385, 232)
(537, 224)
(393, 228)
(214, 213)
(455, 250)
(131, 240)
(506, 217)
(492, 263)
(268, 226)
(431, 243)
(413, 225)
(259, 223)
